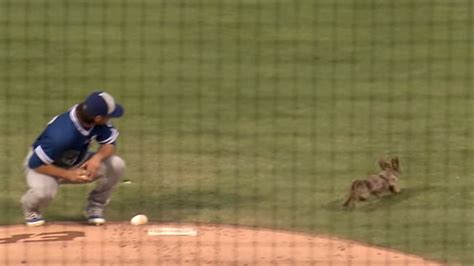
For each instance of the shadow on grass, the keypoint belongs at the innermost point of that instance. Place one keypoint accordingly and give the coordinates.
(168, 205)
(185, 203)
(10, 210)
(374, 204)
(12, 213)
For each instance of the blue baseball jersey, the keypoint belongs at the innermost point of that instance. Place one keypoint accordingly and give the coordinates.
(65, 142)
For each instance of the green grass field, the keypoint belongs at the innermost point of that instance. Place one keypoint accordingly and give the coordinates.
(258, 112)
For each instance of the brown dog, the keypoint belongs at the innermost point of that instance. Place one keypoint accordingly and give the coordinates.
(376, 184)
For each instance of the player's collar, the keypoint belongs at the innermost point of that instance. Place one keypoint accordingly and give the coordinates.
(77, 124)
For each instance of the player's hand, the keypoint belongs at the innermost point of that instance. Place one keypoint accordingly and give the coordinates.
(92, 165)
(78, 175)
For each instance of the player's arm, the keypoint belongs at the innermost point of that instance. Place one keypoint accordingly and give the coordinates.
(104, 152)
(107, 135)
(73, 175)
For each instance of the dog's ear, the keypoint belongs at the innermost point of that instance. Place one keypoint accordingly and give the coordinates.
(383, 164)
(395, 164)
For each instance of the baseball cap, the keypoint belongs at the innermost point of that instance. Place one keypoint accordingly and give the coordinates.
(102, 103)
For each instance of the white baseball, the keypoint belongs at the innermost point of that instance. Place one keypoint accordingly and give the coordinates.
(139, 219)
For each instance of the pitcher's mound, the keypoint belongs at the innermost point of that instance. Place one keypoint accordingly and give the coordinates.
(168, 244)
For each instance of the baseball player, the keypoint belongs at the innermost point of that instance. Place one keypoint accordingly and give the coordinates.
(60, 155)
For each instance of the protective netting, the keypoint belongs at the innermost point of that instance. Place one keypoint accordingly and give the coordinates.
(256, 113)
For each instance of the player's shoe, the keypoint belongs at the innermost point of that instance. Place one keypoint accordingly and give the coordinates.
(34, 219)
(95, 216)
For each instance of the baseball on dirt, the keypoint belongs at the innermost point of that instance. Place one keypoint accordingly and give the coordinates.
(139, 219)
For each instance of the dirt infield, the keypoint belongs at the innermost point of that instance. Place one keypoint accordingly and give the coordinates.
(123, 244)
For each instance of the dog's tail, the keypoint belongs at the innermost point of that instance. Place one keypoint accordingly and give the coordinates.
(356, 184)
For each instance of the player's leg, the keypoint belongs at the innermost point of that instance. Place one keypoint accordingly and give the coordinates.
(112, 169)
(41, 190)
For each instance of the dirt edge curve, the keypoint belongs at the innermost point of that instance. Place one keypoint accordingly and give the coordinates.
(122, 243)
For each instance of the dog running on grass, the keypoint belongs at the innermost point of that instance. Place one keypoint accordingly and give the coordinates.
(376, 184)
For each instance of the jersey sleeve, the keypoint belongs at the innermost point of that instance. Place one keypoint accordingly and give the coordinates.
(107, 134)
(49, 148)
